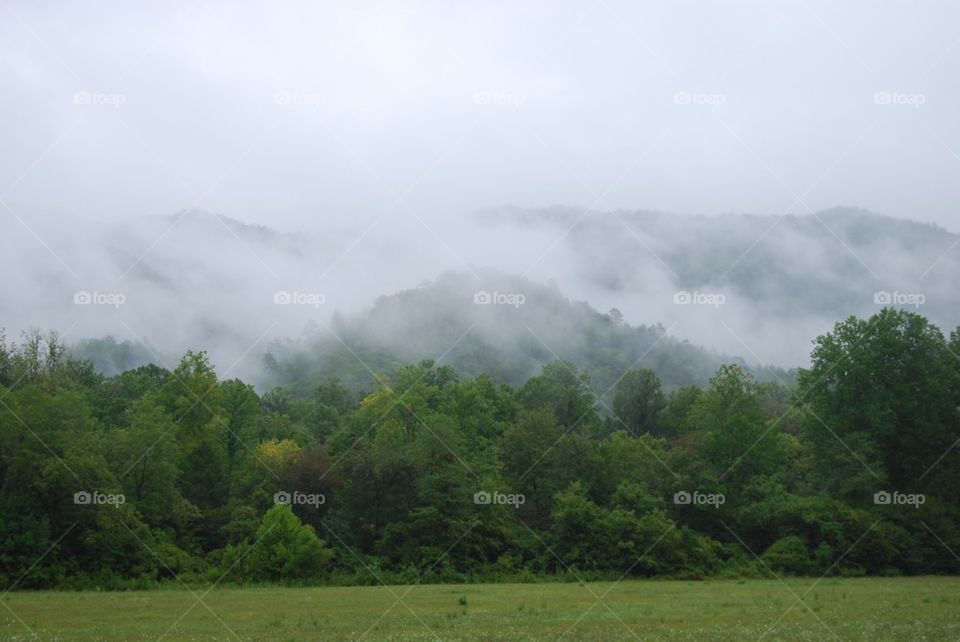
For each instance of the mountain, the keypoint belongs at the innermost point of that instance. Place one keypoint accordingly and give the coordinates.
(503, 326)
(785, 279)
(197, 279)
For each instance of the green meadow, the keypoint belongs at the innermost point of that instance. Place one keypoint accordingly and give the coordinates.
(918, 608)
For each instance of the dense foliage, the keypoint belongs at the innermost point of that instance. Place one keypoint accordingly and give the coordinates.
(155, 474)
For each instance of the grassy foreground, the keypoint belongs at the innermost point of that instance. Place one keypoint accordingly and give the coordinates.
(926, 608)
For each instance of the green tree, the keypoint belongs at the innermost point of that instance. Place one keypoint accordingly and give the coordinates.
(192, 396)
(563, 390)
(145, 457)
(675, 418)
(638, 401)
(882, 400)
(284, 549)
(540, 457)
(737, 438)
(242, 406)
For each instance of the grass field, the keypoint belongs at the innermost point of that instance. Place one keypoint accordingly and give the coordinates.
(850, 609)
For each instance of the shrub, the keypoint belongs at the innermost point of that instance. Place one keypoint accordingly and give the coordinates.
(789, 555)
(285, 549)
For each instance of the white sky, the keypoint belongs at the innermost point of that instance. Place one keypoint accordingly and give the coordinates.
(322, 114)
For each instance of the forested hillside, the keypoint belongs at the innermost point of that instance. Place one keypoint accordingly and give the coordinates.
(784, 280)
(782, 276)
(829, 262)
(509, 341)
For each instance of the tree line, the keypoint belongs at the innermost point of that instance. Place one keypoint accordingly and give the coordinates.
(155, 474)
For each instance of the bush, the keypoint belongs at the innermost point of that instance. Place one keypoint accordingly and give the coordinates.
(284, 550)
(789, 555)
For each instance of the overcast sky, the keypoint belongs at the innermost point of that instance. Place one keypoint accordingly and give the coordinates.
(295, 114)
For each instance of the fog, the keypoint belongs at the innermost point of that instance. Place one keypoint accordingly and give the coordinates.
(596, 146)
